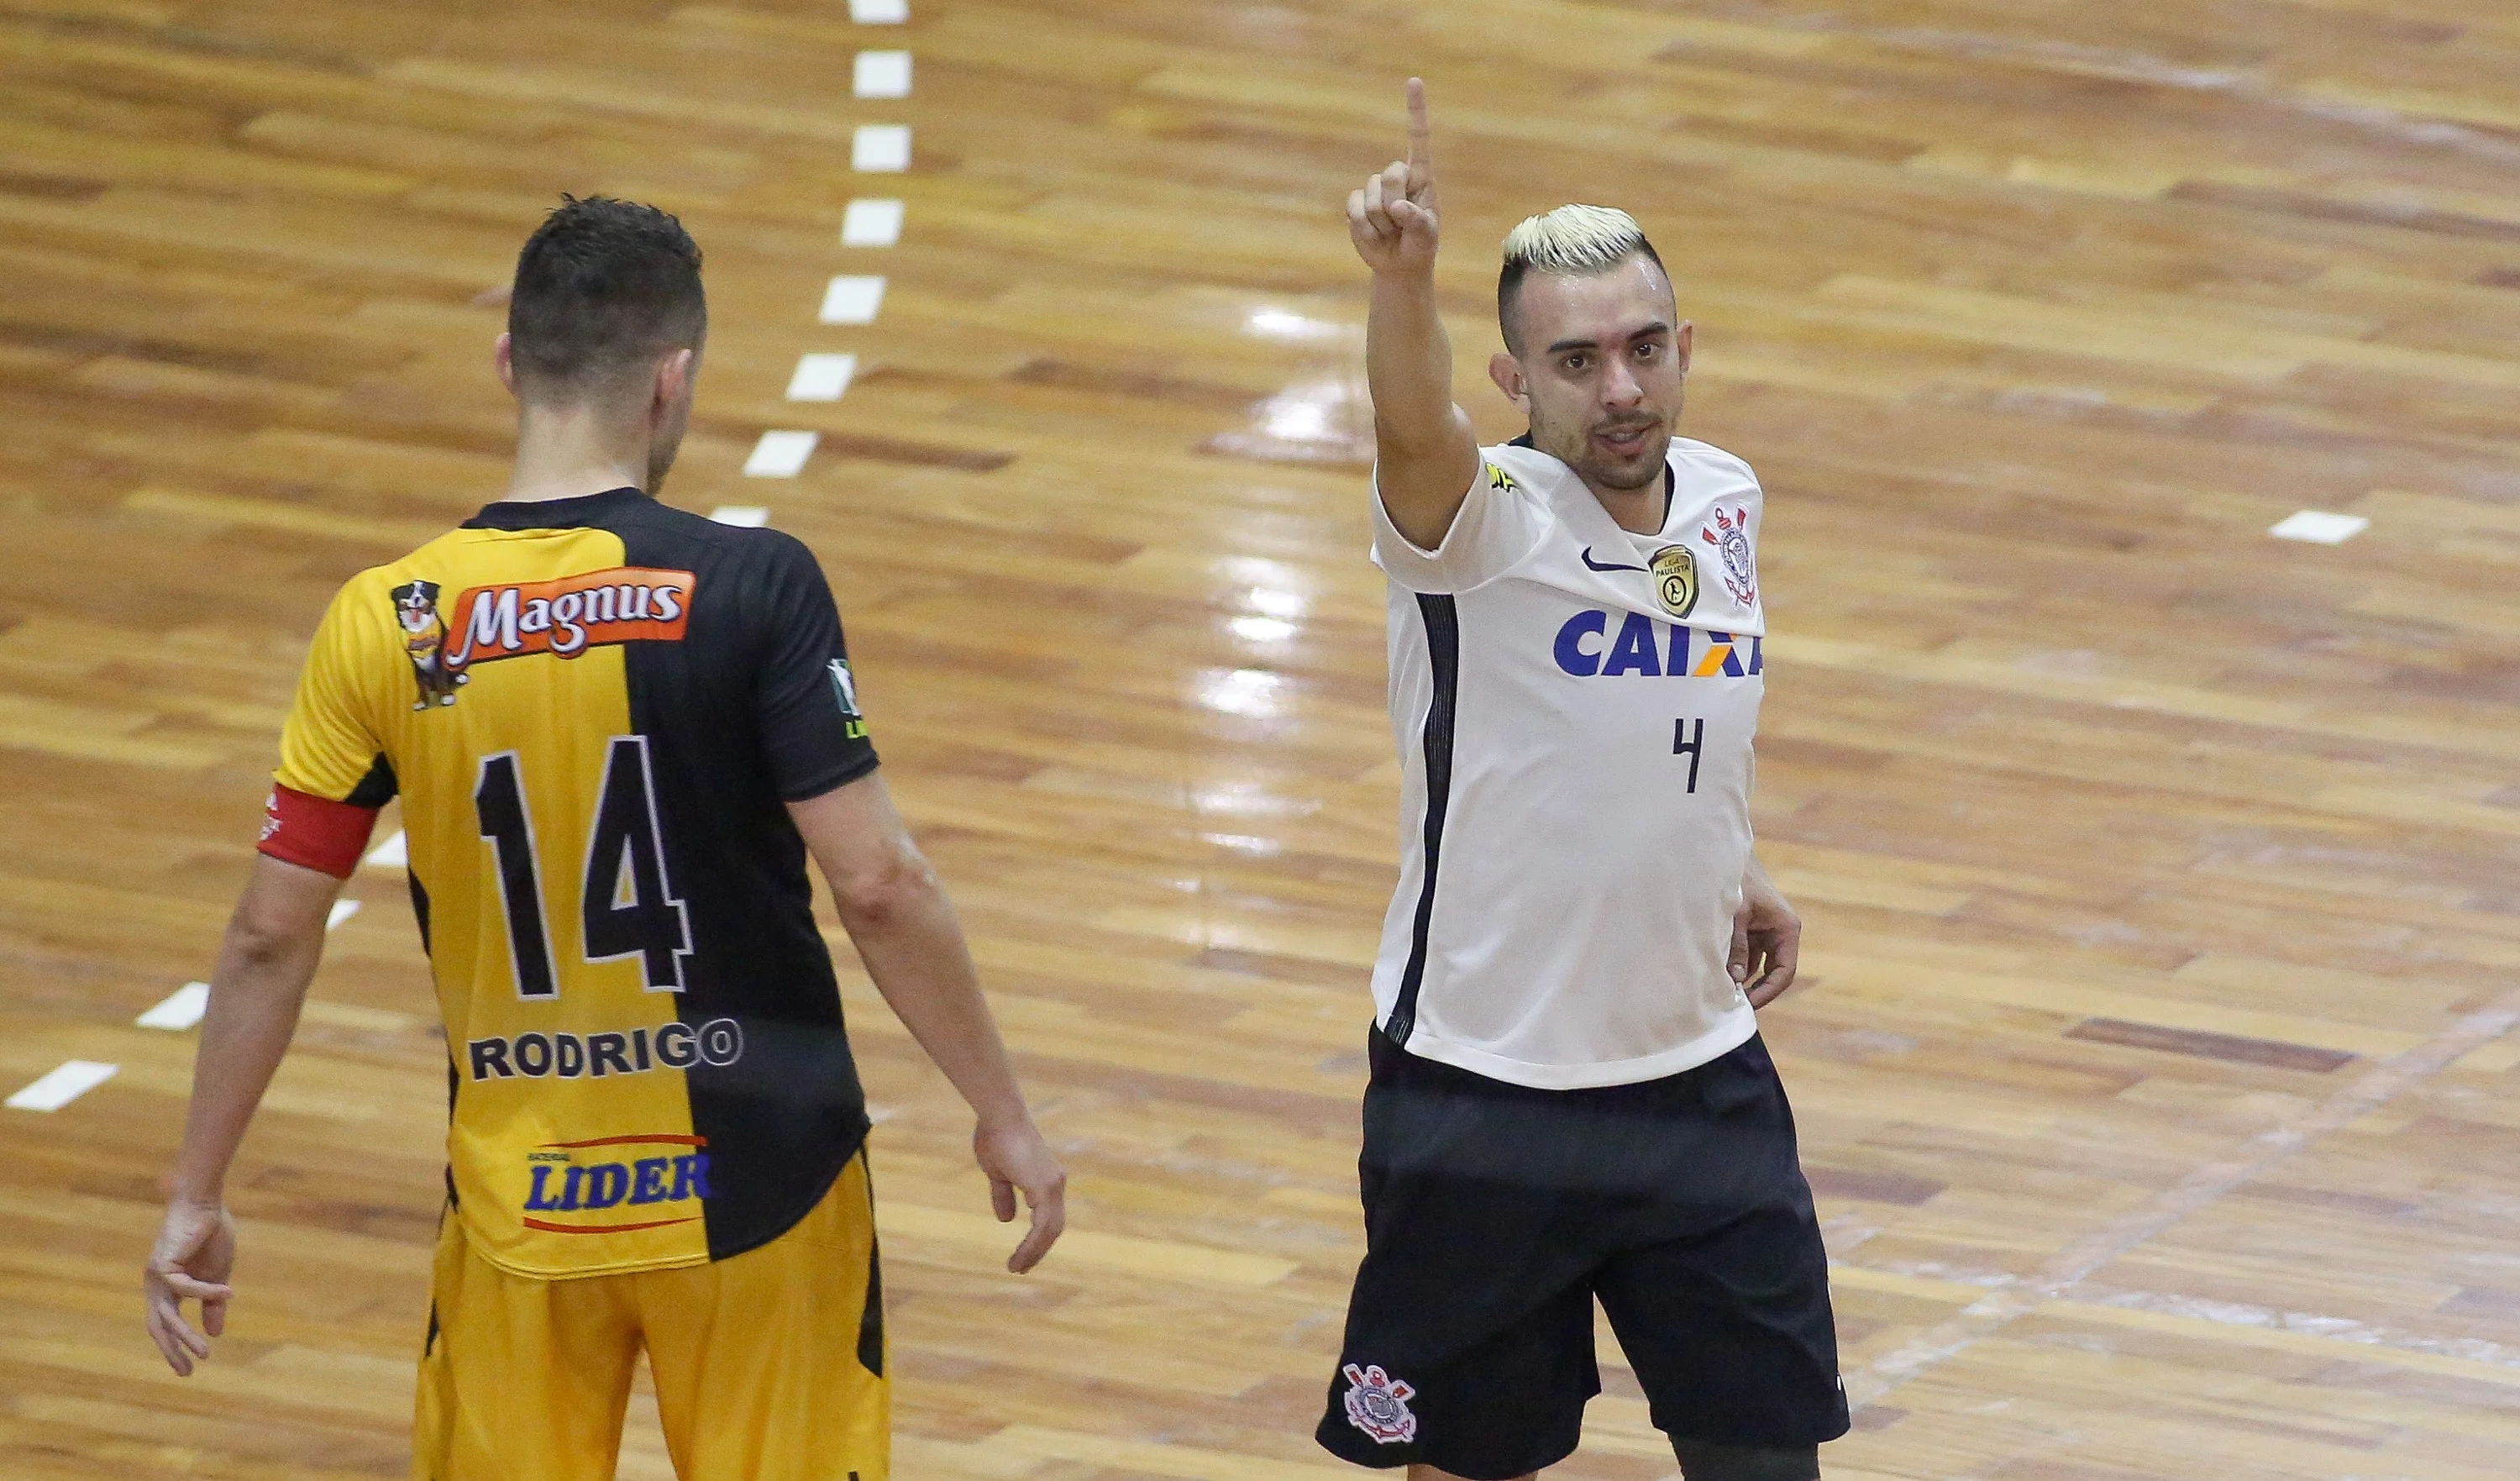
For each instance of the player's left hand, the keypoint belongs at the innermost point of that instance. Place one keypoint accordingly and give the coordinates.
(195, 1251)
(1767, 938)
(1018, 1161)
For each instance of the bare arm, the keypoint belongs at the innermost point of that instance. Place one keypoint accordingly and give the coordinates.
(906, 932)
(272, 942)
(1426, 454)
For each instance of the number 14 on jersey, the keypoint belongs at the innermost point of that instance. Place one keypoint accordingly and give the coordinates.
(627, 906)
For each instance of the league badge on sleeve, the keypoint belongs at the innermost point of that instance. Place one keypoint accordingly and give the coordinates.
(844, 689)
(1378, 1405)
(1729, 534)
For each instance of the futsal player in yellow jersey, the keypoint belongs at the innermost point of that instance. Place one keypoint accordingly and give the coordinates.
(617, 731)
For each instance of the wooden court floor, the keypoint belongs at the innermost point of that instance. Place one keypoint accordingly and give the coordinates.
(2155, 1061)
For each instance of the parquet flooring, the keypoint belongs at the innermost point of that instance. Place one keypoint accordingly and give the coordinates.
(2155, 1063)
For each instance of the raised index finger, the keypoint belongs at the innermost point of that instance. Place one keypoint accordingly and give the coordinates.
(1421, 146)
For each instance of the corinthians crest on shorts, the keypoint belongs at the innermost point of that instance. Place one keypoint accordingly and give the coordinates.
(1378, 1405)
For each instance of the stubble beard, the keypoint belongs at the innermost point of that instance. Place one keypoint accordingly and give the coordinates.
(1575, 449)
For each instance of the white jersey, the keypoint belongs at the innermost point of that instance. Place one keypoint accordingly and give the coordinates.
(1575, 706)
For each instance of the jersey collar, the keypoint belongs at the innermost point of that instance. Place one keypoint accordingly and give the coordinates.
(581, 513)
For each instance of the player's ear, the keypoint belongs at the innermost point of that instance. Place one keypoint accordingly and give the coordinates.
(674, 376)
(1506, 371)
(504, 357)
(1683, 342)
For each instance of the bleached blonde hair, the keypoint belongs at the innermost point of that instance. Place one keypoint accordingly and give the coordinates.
(1573, 240)
(1570, 241)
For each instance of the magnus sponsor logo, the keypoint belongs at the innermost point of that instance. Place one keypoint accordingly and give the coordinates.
(569, 1056)
(609, 1173)
(565, 618)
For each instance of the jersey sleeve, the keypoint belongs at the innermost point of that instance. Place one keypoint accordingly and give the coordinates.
(1499, 522)
(813, 736)
(333, 773)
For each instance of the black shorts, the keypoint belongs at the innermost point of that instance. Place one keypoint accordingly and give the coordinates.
(1495, 1214)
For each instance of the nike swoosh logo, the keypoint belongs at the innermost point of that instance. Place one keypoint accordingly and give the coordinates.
(1598, 566)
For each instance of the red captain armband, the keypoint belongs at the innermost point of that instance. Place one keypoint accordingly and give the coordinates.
(315, 833)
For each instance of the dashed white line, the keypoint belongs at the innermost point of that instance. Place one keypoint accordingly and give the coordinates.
(779, 454)
(879, 149)
(182, 1009)
(871, 223)
(62, 1085)
(882, 74)
(874, 149)
(2319, 527)
(852, 299)
(822, 378)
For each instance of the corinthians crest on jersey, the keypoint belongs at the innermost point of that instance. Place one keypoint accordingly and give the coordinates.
(1729, 533)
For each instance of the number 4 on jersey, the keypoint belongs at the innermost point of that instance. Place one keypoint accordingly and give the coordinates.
(627, 904)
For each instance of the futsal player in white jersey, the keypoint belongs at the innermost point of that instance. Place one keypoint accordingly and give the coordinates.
(1569, 1100)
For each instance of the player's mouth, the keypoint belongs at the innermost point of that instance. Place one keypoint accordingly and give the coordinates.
(1626, 441)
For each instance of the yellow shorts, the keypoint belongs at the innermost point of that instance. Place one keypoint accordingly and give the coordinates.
(769, 1366)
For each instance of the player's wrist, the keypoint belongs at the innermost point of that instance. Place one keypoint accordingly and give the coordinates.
(997, 1122)
(193, 1197)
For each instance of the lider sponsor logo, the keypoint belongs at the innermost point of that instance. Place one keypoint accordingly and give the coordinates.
(626, 603)
(577, 1177)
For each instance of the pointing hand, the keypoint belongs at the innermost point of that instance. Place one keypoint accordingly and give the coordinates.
(1391, 218)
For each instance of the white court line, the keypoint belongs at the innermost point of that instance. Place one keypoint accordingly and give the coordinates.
(882, 74)
(182, 1009)
(871, 223)
(879, 12)
(779, 454)
(62, 1086)
(746, 516)
(343, 910)
(822, 378)
(2074, 1264)
(879, 149)
(393, 853)
(852, 300)
(2319, 527)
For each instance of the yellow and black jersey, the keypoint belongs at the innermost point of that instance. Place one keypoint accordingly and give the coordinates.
(593, 710)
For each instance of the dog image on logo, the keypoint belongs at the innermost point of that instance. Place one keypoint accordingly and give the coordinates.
(423, 642)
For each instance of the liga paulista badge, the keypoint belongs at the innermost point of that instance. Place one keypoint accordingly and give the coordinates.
(1675, 573)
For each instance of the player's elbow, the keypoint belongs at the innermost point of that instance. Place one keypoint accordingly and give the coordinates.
(261, 935)
(882, 893)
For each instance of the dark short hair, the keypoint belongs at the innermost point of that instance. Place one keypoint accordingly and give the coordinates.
(603, 287)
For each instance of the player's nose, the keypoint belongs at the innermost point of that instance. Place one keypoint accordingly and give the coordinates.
(1620, 389)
